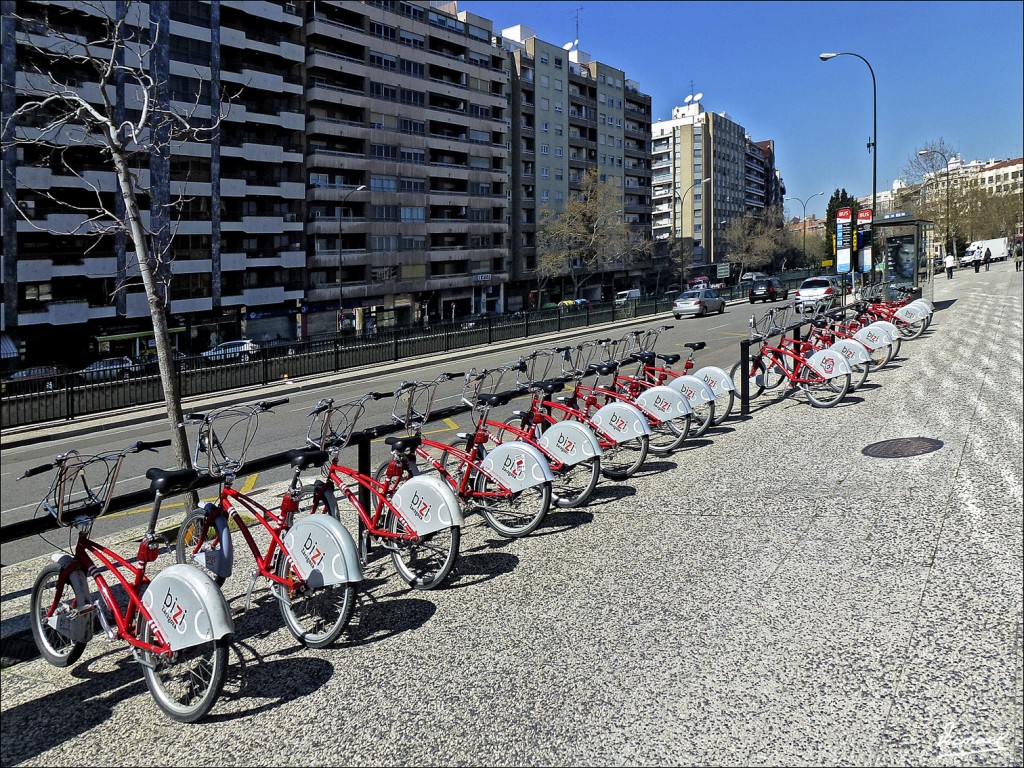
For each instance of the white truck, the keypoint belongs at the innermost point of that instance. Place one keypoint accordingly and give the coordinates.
(976, 251)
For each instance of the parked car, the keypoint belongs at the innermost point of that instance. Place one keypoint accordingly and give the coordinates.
(700, 302)
(767, 289)
(241, 351)
(39, 378)
(108, 369)
(749, 277)
(623, 296)
(814, 290)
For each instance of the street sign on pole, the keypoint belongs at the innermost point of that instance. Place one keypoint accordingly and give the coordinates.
(864, 218)
(844, 239)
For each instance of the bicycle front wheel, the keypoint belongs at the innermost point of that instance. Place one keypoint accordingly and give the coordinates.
(197, 536)
(755, 379)
(423, 564)
(316, 617)
(55, 647)
(511, 515)
(186, 684)
(827, 392)
(622, 460)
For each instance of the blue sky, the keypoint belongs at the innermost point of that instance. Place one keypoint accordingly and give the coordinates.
(949, 70)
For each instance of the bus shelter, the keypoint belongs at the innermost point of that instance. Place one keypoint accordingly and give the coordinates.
(908, 247)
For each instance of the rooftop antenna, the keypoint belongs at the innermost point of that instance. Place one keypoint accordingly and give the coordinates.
(575, 43)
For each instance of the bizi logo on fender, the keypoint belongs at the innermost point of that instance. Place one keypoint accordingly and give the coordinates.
(312, 552)
(514, 466)
(420, 506)
(565, 444)
(175, 612)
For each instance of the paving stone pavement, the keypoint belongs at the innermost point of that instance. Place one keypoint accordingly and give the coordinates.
(768, 595)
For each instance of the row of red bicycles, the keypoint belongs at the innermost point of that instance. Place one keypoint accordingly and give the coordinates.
(590, 412)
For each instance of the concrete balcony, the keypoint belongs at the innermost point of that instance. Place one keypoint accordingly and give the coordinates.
(58, 313)
(188, 306)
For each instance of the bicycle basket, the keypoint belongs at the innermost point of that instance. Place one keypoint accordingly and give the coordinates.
(225, 436)
(81, 487)
(334, 426)
(768, 324)
(540, 363)
(413, 403)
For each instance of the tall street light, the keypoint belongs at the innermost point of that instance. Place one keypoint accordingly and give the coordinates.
(682, 267)
(804, 203)
(872, 145)
(341, 205)
(923, 152)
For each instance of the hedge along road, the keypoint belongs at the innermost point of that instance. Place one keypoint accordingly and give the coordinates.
(285, 427)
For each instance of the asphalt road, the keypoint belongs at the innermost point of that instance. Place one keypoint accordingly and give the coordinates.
(285, 427)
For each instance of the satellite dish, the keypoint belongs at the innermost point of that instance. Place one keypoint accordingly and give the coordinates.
(570, 46)
(698, 97)
(567, 46)
(688, 99)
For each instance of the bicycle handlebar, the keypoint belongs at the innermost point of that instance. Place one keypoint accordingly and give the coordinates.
(37, 470)
(266, 405)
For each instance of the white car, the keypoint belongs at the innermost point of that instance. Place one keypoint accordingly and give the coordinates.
(241, 351)
(816, 291)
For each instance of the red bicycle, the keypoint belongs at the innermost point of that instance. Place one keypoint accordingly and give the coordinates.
(177, 623)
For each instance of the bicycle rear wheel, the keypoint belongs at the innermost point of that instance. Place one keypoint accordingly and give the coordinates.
(912, 330)
(859, 376)
(622, 460)
(511, 515)
(702, 417)
(187, 684)
(423, 564)
(55, 647)
(316, 617)
(667, 436)
(573, 485)
(723, 407)
(827, 392)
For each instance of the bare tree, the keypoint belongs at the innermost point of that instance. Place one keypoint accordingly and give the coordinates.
(93, 92)
(588, 236)
(758, 242)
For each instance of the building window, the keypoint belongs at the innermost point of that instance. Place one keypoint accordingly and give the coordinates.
(558, 85)
(543, 81)
(383, 184)
(544, 103)
(558, 130)
(543, 195)
(544, 126)
(544, 149)
(558, 151)
(558, 62)
(545, 172)
(543, 58)
(413, 214)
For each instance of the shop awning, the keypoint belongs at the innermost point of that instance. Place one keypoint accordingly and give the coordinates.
(8, 349)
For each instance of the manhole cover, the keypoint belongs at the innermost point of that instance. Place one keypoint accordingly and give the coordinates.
(902, 447)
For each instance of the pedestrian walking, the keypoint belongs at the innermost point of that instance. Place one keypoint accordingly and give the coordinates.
(1018, 257)
(988, 258)
(950, 263)
(977, 263)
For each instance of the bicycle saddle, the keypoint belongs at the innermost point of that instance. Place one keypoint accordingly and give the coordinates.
(670, 359)
(603, 369)
(304, 459)
(498, 398)
(647, 358)
(696, 346)
(171, 480)
(403, 444)
(550, 386)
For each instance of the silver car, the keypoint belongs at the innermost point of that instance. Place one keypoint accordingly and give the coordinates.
(816, 292)
(698, 302)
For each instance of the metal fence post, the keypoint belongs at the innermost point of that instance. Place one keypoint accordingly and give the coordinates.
(745, 380)
(395, 343)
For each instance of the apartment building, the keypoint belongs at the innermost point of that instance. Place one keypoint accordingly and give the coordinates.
(406, 161)
(570, 114)
(228, 211)
(706, 171)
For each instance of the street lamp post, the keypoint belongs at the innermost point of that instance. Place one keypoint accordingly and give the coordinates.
(943, 155)
(341, 205)
(803, 204)
(872, 145)
(679, 232)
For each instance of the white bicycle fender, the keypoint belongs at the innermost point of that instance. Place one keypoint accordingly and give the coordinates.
(854, 352)
(888, 327)
(695, 390)
(322, 551)
(186, 607)
(621, 421)
(909, 314)
(828, 364)
(924, 305)
(427, 505)
(570, 442)
(518, 466)
(873, 338)
(719, 381)
(663, 403)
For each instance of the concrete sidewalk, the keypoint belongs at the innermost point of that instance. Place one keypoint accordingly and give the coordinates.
(770, 594)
